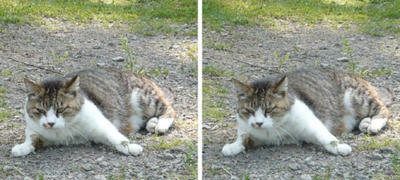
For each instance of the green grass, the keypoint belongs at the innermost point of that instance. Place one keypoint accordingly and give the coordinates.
(373, 17)
(5, 111)
(370, 143)
(145, 17)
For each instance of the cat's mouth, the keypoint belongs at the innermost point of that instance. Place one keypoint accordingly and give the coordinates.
(49, 125)
(257, 125)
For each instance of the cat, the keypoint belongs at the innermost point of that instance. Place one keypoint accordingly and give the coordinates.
(93, 105)
(306, 106)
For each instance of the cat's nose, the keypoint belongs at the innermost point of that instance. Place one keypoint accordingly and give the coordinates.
(259, 124)
(51, 124)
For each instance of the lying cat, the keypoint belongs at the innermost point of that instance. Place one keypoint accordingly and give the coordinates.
(306, 106)
(93, 105)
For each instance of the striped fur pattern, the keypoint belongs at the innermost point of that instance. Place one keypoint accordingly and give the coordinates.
(93, 105)
(306, 105)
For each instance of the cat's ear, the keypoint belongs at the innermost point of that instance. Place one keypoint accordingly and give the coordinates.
(72, 84)
(32, 87)
(242, 89)
(281, 87)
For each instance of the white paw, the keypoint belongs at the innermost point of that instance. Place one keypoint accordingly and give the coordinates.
(338, 149)
(232, 149)
(152, 124)
(376, 125)
(364, 124)
(373, 126)
(22, 149)
(163, 125)
(129, 149)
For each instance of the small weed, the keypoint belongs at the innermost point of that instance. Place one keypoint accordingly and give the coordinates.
(396, 164)
(162, 144)
(371, 143)
(326, 176)
(40, 176)
(215, 71)
(191, 164)
(192, 53)
(221, 46)
(246, 176)
(281, 60)
(352, 65)
(59, 59)
(130, 62)
(6, 73)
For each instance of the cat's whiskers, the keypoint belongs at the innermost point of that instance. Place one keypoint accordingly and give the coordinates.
(80, 133)
(287, 133)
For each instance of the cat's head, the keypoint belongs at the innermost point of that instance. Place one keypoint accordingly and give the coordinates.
(52, 102)
(263, 102)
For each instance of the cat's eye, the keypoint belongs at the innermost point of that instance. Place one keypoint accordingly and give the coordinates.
(269, 110)
(249, 111)
(39, 111)
(60, 110)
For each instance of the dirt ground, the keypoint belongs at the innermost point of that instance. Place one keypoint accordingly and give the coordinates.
(169, 58)
(248, 53)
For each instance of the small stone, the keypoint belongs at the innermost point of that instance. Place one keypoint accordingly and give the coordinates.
(324, 65)
(305, 177)
(361, 176)
(27, 178)
(376, 156)
(111, 44)
(101, 64)
(118, 59)
(96, 47)
(260, 45)
(234, 178)
(323, 48)
(387, 150)
(206, 127)
(99, 177)
(343, 59)
(87, 167)
(294, 166)
(7, 168)
(167, 156)
(103, 163)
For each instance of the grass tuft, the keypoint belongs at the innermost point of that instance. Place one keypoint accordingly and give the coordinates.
(145, 17)
(374, 17)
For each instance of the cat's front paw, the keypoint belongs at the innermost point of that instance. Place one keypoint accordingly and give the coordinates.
(152, 124)
(156, 125)
(372, 126)
(129, 149)
(364, 125)
(22, 149)
(338, 149)
(232, 149)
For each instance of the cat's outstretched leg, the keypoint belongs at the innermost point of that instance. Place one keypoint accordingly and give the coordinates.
(317, 133)
(28, 146)
(236, 147)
